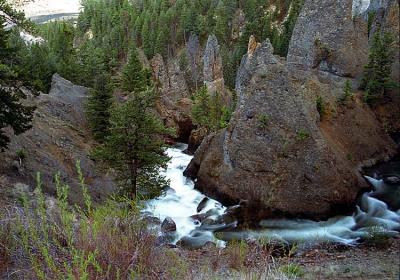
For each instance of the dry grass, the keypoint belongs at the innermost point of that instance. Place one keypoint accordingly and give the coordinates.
(46, 238)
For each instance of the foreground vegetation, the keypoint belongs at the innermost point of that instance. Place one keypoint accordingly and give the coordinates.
(46, 238)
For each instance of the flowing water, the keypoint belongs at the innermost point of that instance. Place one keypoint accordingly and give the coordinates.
(372, 215)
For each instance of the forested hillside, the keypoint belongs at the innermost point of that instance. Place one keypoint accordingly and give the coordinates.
(106, 30)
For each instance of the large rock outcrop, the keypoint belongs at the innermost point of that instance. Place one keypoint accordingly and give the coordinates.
(276, 154)
(213, 70)
(174, 105)
(329, 38)
(59, 137)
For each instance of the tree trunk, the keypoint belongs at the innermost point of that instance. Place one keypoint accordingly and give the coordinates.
(134, 174)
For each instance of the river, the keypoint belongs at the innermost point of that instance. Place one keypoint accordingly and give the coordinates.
(194, 229)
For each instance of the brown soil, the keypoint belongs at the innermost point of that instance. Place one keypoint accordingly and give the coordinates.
(361, 262)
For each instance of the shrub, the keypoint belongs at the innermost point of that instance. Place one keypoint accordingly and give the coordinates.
(377, 236)
(110, 241)
(321, 107)
(347, 93)
(237, 251)
(263, 120)
(21, 154)
(292, 270)
(302, 135)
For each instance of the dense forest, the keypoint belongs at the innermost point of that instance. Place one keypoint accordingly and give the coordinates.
(106, 30)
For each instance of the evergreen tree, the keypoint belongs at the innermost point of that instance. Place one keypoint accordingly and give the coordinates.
(134, 77)
(376, 80)
(12, 113)
(98, 108)
(208, 111)
(135, 148)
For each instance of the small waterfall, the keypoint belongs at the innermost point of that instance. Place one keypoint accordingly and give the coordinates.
(377, 211)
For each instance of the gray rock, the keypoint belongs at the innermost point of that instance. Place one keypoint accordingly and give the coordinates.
(392, 180)
(212, 60)
(168, 225)
(279, 157)
(202, 204)
(326, 36)
(59, 137)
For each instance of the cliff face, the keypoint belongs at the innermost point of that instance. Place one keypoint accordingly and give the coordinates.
(280, 153)
(177, 83)
(329, 38)
(59, 137)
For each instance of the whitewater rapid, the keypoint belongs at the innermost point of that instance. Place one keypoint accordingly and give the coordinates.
(181, 202)
(181, 199)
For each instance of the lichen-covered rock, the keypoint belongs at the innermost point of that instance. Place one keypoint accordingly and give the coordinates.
(195, 60)
(327, 37)
(59, 137)
(277, 155)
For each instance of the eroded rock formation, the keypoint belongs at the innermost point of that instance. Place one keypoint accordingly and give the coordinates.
(174, 105)
(59, 137)
(277, 154)
(329, 38)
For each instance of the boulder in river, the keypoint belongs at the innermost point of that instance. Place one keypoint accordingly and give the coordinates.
(202, 204)
(168, 225)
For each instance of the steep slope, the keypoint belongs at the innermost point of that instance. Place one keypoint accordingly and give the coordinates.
(276, 155)
(58, 139)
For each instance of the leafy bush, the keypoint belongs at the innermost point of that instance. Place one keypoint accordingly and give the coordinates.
(377, 236)
(21, 154)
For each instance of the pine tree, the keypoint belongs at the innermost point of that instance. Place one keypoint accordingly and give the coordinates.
(135, 148)
(134, 77)
(98, 108)
(376, 80)
(12, 113)
(208, 111)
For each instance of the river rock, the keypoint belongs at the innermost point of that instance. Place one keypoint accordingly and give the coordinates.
(392, 180)
(168, 225)
(276, 153)
(196, 240)
(202, 204)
